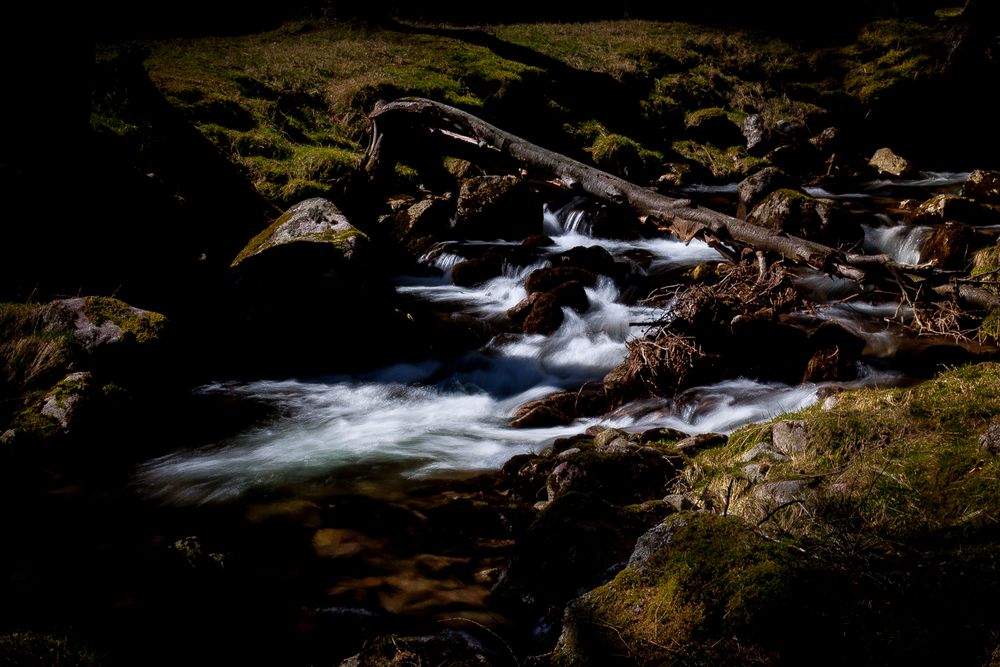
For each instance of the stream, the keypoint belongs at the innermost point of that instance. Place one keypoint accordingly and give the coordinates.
(413, 421)
(346, 507)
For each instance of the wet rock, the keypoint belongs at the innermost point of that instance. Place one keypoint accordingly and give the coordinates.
(827, 365)
(887, 162)
(477, 270)
(547, 278)
(541, 312)
(608, 435)
(797, 213)
(983, 186)
(420, 225)
(754, 188)
(944, 208)
(590, 258)
(948, 246)
(559, 408)
(660, 434)
(497, 207)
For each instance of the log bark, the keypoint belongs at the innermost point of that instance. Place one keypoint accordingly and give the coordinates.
(681, 216)
(461, 130)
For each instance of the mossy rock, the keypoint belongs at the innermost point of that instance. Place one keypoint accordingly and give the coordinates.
(314, 220)
(723, 163)
(624, 156)
(714, 125)
(708, 590)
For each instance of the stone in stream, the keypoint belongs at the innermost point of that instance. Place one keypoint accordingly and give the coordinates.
(885, 161)
(983, 186)
(497, 207)
(548, 278)
(752, 190)
(794, 212)
(948, 246)
(311, 277)
(418, 226)
(944, 208)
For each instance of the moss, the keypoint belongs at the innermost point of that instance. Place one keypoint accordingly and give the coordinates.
(890, 53)
(990, 327)
(899, 462)
(725, 164)
(986, 263)
(623, 155)
(262, 241)
(138, 326)
(708, 597)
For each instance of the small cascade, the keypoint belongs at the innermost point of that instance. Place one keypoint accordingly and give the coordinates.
(903, 243)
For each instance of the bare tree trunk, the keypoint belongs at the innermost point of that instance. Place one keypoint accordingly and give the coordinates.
(422, 118)
(683, 217)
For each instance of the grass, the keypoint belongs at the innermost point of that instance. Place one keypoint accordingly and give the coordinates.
(889, 557)
(290, 106)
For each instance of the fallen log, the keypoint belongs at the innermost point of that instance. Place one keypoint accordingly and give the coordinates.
(463, 131)
(683, 217)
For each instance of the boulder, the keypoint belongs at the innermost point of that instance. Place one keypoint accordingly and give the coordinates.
(477, 270)
(948, 246)
(943, 208)
(885, 161)
(97, 322)
(548, 278)
(800, 158)
(619, 472)
(541, 312)
(559, 408)
(423, 223)
(497, 207)
(789, 436)
(983, 186)
(794, 212)
(311, 276)
(590, 258)
(754, 188)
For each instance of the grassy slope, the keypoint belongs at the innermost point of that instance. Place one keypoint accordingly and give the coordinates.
(289, 106)
(889, 555)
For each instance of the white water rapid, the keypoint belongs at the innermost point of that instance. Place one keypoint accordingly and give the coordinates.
(431, 418)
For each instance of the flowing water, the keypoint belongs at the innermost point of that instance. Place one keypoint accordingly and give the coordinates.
(419, 420)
